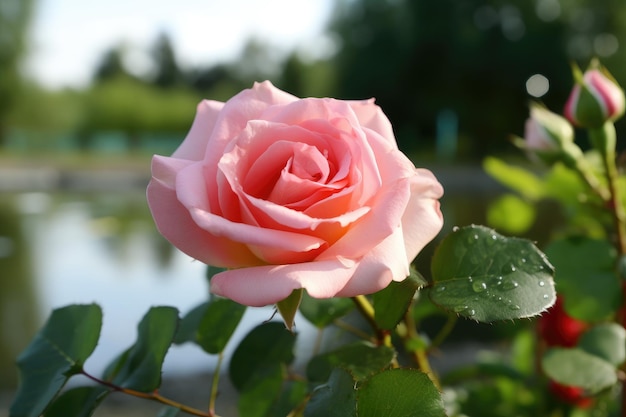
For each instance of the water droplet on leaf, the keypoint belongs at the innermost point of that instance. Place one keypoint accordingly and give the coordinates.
(479, 286)
(510, 285)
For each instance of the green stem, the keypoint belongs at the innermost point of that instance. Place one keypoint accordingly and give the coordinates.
(604, 140)
(153, 396)
(445, 331)
(366, 309)
(419, 355)
(214, 385)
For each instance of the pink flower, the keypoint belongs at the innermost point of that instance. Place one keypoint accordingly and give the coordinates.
(546, 134)
(595, 99)
(293, 193)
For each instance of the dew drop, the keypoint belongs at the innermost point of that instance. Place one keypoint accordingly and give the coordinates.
(470, 279)
(546, 296)
(479, 286)
(510, 285)
(455, 229)
(541, 283)
(514, 307)
(471, 312)
(440, 288)
(459, 309)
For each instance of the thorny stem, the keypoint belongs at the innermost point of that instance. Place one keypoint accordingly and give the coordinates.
(154, 396)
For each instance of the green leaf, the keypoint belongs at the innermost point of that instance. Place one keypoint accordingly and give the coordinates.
(516, 178)
(169, 412)
(140, 368)
(362, 359)
(578, 368)
(511, 214)
(322, 312)
(485, 276)
(391, 303)
(607, 341)
(336, 398)
(77, 402)
(188, 327)
(267, 344)
(399, 393)
(261, 391)
(289, 307)
(212, 271)
(218, 324)
(56, 353)
(294, 393)
(586, 277)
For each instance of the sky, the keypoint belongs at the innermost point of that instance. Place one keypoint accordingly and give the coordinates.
(68, 37)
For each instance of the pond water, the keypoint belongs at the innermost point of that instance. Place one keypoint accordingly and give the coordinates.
(59, 249)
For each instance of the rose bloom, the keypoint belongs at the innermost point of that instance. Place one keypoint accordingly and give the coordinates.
(290, 193)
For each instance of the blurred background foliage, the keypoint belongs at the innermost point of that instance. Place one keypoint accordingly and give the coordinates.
(454, 77)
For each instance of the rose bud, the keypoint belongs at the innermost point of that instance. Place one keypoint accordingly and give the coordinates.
(595, 99)
(548, 136)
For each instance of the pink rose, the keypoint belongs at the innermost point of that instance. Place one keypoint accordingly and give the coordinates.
(293, 193)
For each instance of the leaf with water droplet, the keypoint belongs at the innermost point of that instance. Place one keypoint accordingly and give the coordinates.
(510, 277)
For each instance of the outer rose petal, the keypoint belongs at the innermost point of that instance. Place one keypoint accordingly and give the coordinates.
(422, 218)
(384, 263)
(371, 116)
(176, 225)
(266, 285)
(194, 145)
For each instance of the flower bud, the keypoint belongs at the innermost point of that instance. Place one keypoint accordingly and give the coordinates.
(548, 136)
(595, 99)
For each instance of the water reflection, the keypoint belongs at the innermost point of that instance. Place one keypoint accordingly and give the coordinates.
(61, 249)
(17, 313)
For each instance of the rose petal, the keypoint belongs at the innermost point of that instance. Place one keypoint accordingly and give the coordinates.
(384, 263)
(194, 145)
(175, 224)
(422, 218)
(267, 285)
(372, 117)
(384, 217)
(191, 192)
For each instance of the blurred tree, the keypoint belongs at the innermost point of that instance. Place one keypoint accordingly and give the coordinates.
(423, 58)
(111, 65)
(168, 74)
(14, 20)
